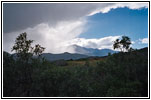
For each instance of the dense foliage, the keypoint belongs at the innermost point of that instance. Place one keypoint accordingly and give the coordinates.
(123, 44)
(118, 75)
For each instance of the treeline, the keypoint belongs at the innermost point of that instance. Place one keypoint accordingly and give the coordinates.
(124, 74)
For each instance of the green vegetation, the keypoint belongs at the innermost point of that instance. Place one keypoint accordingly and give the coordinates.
(123, 44)
(123, 74)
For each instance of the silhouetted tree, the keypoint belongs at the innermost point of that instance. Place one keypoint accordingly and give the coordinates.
(123, 44)
(24, 52)
(117, 44)
(24, 49)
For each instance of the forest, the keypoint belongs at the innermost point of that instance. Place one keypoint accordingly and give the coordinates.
(122, 74)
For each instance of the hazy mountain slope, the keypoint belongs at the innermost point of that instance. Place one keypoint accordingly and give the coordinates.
(81, 52)
(92, 52)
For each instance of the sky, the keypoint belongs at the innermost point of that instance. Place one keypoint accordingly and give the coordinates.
(59, 26)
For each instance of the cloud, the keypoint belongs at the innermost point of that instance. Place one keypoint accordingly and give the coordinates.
(144, 40)
(53, 25)
(133, 42)
(19, 16)
(52, 38)
(101, 43)
(107, 8)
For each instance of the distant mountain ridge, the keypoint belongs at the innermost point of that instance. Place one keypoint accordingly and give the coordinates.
(89, 52)
(64, 56)
(81, 52)
(92, 52)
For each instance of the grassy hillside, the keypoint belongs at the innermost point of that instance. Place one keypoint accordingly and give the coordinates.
(117, 75)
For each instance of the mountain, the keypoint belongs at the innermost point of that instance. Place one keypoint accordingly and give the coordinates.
(53, 57)
(65, 56)
(81, 53)
(92, 52)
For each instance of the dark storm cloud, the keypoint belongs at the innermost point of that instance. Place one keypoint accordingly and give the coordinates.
(18, 16)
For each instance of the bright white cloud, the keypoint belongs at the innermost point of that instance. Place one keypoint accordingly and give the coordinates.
(101, 43)
(107, 8)
(133, 42)
(52, 38)
(144, 40)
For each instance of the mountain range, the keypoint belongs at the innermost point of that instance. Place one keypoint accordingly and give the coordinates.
(64, 56)
(81, 52)
(91, 51)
